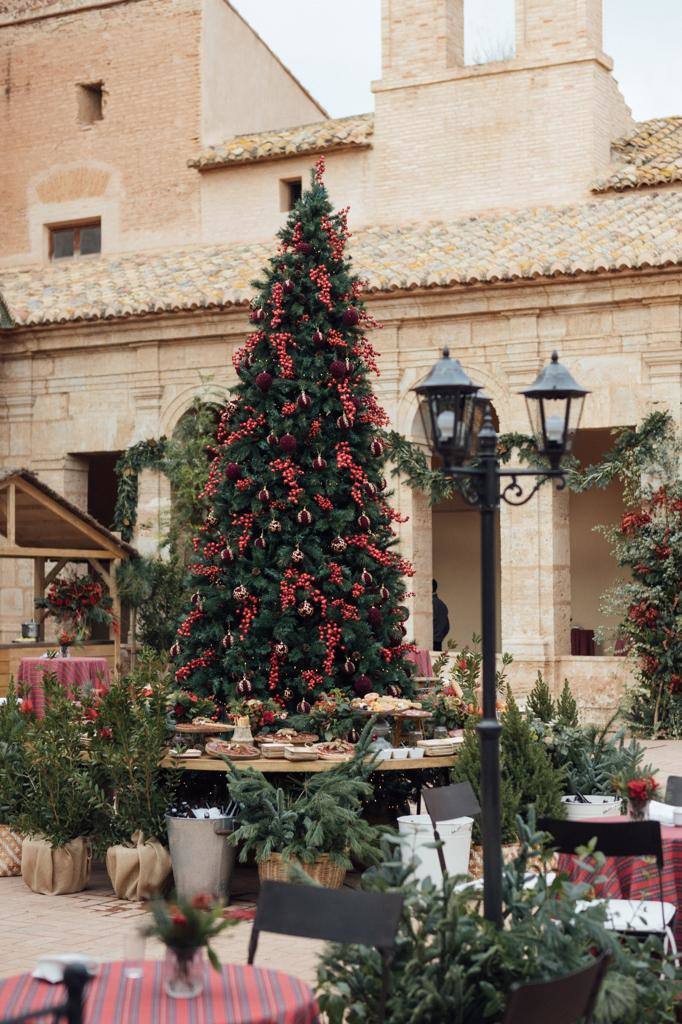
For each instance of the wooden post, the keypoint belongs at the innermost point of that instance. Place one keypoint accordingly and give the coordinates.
(109, 577)
(39, 591)
(12, 515)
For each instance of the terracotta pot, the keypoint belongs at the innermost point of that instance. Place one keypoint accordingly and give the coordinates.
(10, 852)
(276, 869)
(56, 870)
(139, 870)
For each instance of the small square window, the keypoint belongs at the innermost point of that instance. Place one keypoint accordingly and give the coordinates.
(90, 102)
(75, 240)
(290, 191)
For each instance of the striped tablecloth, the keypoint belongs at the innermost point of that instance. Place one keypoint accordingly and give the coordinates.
(83, 672)
(234, 995)
(422, 659)
(634, 878)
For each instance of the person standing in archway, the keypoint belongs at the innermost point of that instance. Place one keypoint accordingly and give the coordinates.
(441, 622)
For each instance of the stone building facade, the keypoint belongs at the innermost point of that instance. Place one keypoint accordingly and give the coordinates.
(505, 209)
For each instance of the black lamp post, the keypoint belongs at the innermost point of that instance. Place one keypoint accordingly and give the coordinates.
(459, 425)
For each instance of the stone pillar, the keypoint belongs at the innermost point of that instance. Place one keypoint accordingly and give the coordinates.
(536, 583)
(153, 512)
(417, 546)
(552, 28)
(421, 36)
(16, 574)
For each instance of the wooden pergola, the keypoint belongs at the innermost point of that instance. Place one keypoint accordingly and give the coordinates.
(39, 524)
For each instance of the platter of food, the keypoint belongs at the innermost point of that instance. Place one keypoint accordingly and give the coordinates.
(336, 750)
(288, 736)
(235, 751)
(383, 704)
(203, 725)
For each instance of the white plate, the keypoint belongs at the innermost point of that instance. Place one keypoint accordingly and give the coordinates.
(51, 968)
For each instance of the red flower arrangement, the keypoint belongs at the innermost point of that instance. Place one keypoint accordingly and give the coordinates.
(637, 792)
(78, 602)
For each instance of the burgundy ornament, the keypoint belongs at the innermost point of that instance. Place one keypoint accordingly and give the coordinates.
(304, 517)
(246, 362)
(288, 286)
(363, 522)
(319, 462)
(264, 381)
(263, 494)
(393, 691)
(272, 440)
(227, 640)
(305, 609)
(376, 448)
(343, 422)
(362, 685)
(338, 545)
(297, 555)
(244, 687)
(274, 526)
(281, 649)
(337, 368)
(349, 667)
(318, 338)
(403, 613)
(366, 578)
(383, 485)
(287, 443)
(259, 542)
(240, 593)
(370, 489)
(175, 650)
(227, 555)
(357, 402)
(351, 316)
(304, 247)
(303, 401)
(233, 471)
(374, 616)
(288, 693)
(257, 315)
(196, 599)
(384, 593)
(303, 707)
(211, 519)
(230, 409)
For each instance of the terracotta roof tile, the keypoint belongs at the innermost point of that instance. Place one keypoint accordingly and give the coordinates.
(637, 230)
(341, 133)
(650, 155)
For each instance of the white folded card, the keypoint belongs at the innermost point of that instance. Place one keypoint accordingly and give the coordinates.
(51, 968)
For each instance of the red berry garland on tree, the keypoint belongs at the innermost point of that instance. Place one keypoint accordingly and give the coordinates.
(297, 586)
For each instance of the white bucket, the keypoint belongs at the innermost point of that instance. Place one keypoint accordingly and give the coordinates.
(596, 807)
(416, 836)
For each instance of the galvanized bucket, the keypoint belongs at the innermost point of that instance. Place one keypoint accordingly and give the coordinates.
(203, 860)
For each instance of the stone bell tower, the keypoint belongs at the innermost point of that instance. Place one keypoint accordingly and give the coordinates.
(453, 139)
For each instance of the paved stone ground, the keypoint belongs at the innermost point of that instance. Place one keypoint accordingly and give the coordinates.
(95, 922)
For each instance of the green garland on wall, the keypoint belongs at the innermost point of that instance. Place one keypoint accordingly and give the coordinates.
(148, 454)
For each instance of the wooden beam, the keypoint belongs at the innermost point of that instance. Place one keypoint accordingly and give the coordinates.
(39, 591)
(71, 554)
(71, 517)
(104, 573)
(12, 514)
(54, 571)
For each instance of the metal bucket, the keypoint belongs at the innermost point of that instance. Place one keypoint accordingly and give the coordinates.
(203, 860)
(30, 630)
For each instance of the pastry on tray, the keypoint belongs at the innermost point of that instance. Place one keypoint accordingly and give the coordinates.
(288, 736)
(235, 751)
(336, 750)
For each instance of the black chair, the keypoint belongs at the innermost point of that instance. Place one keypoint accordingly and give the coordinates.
(76, 978)
(673, 791)
(333, 915)
(621, 839)
(446, 802)
(562, 1001)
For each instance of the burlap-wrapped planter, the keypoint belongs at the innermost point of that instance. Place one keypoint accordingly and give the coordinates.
(10, 852)
(140, 870)
(56, 870)
(509, 851)
(276, 869)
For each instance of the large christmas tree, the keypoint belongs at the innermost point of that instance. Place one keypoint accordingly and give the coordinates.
(297, 587)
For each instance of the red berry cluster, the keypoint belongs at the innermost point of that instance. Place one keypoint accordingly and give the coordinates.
(203, 661)
(279, 342)
(277, 305)
(335, 574)
(245, 520)
(320, 277)
(248, 610)
(186, 628)
(324, 503)
(337, 232)
(312, 678)
(290, 471)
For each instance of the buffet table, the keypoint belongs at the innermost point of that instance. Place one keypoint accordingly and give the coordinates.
(282, 765)
(85, 673)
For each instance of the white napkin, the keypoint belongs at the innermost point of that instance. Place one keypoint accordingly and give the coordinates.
(206, 812)
(661, 812)
(51, 968)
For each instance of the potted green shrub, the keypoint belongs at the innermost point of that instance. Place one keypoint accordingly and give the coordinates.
(315, 821)
(129, 734)
(12, 729)
(62, 804)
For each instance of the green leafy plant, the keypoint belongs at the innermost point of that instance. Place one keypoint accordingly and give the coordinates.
(540, 702)
(457, 680)
(62, 798)
(185, 926)
(156, 590)
(129, 733)
(13, 722)
(567, 708)
(309, 816)
(528, 775)
(450, 964)
(330, 716)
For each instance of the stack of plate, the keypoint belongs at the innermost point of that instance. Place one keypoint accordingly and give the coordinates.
(437, 748)
(293, 753)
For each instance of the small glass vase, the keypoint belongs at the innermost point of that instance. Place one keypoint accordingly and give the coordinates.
(184, 973)
(638, 810)
(64, 651)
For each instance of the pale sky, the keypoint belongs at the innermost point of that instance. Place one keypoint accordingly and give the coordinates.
(333, 46)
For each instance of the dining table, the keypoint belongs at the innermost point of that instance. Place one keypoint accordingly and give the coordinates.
(236, 994)
(71, 673)
(634, 878)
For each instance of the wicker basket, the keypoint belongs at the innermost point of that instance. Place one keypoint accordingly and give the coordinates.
(10, 852)
(275, 869)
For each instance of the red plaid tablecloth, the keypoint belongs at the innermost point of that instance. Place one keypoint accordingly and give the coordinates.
(234, 995)
(83, 672)
(633, 878)
(422, 659)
